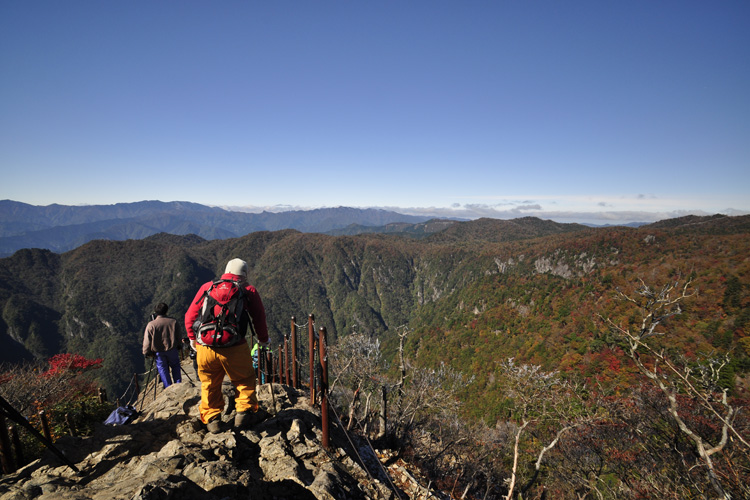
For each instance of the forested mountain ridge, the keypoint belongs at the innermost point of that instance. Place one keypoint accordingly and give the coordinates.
(470, 298)
(548, 300)
(61, 228)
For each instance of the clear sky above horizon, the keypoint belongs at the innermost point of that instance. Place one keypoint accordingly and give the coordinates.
(581, 111)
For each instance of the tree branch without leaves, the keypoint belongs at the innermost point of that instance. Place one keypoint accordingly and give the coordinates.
(656, 306)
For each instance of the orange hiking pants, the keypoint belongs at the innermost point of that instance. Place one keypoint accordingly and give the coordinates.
(213, 364)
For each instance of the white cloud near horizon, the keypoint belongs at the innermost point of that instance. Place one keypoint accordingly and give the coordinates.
(508, 210)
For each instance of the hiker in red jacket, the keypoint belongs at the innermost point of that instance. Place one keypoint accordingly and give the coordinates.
(216, 323)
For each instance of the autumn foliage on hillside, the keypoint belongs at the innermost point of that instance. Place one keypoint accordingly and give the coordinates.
(674, 431)
(551, 318)
(550, 307)
(67, 365)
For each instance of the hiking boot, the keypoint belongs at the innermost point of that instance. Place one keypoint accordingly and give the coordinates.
(214, 426)
(245, 419)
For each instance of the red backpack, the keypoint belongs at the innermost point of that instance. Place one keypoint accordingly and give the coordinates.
(221, 319)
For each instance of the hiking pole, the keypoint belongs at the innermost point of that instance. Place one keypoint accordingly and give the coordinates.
(145, 387)
(186, 373)
(156, 383)
(193, 355)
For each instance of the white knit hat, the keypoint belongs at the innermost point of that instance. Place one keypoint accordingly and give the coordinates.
(238, 267)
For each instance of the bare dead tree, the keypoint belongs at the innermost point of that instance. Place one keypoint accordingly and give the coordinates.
(357, 366)
(431, 393)
(673, 377)
(548, 404)
(402, 335)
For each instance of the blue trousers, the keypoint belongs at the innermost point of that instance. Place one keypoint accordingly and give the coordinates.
(169, 361)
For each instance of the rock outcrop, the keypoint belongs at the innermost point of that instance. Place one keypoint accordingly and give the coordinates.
(168, 453)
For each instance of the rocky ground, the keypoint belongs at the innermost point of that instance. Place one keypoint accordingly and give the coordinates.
(167, 453)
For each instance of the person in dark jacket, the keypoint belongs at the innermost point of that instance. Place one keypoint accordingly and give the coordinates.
(162, 340)
(234, 360)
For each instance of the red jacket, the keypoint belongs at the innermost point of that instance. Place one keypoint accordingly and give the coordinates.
(253, 305)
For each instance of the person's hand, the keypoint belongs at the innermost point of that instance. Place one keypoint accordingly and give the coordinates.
(192, 344)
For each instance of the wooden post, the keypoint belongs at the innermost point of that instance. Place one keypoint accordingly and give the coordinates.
(45, 425)
(311, 334)
(324, 386)
(16, 440)
(383, 415)
(295, 371)
(71, 426)
(6, 458)
(103, 394)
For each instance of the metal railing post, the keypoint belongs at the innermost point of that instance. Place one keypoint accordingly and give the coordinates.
(295, 371)
(311, 334)
(286, 360)
(324, 385)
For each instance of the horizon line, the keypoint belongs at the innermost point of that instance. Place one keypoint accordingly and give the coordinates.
(465, 212)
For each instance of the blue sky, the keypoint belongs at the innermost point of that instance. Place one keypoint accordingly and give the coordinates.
(583, 111)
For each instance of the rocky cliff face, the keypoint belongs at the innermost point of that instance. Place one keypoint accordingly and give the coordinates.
(167, 453)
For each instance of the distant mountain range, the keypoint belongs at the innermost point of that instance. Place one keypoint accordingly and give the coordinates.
(60, 228)
(470, 292)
